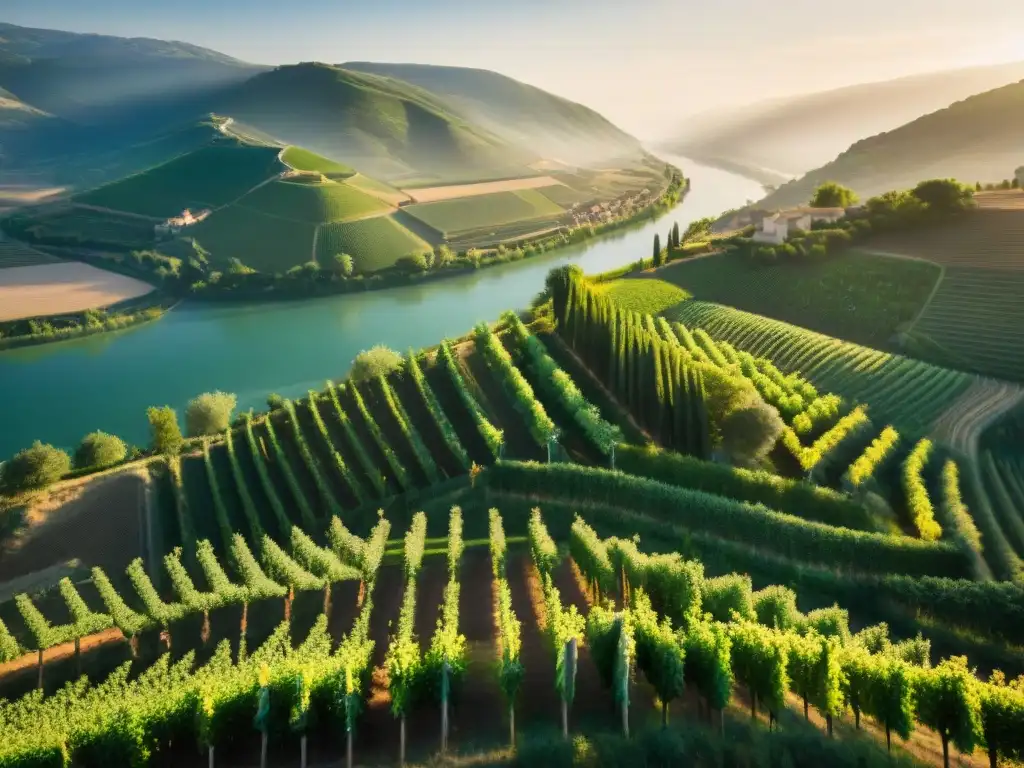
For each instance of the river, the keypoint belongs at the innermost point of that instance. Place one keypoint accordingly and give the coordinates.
(59, 392)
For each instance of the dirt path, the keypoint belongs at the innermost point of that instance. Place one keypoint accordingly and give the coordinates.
(985, 401)
(29, 661)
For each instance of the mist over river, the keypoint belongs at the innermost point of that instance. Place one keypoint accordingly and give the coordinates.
(59, 392)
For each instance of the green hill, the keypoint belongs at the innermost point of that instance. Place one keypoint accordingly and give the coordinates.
(518, 113)
(313, 201)
(303, 160)
(382, 127)
(796, 134)
(975, 139)
(208, 177)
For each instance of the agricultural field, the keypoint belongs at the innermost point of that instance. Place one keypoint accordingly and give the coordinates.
(14, 254)
(312, 202)
(63, 288)
(900, 390)
(855, 296)
(265, 243)
(566, 196)
(505, 546)
(74, 225)
(452, 217)
(375, 243)
(377, 189)
(453, 191)
(207, 178)
(643, 295)
(303, 160)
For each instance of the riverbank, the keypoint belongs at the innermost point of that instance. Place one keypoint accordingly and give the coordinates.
(58, 392)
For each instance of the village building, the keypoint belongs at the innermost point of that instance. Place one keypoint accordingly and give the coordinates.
(174, 225)
(776, 229)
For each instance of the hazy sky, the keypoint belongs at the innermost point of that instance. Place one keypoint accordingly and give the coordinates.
(640, 62)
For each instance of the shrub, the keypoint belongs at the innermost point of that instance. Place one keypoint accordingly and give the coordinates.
(371, 363)
(750, 432)
(833, 195)
(98, 449)
(35, 467)
(163, 425)
(209, 413)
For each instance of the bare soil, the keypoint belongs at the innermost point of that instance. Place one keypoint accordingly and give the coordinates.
(87, 522)
(434, 194)
(53, 289)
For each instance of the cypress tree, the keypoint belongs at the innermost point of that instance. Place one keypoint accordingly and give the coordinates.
(702, 427)
(613, 353)
(657, 250)
(675, 235)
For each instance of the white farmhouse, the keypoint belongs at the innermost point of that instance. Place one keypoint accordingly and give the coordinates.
(776, 229)
(174, 225)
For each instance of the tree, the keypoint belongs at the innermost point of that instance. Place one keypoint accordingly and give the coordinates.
(775, 607)
(415, 262)
(675, 235)
(209, 413)
(443, 256)
(890, 698)
(698, 230)
(236, 267)
(163, 425)
(944, 195)
(35, 467)
(750, 431)
(831, 194)
(345, 264)
(657, 250)
(374, 362)
(948, 702)
(1002, 711)
(98, 449)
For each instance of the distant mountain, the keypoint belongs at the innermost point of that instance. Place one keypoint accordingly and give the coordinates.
(382, 126)
(977, 139)
(521, 114)
(80, 77)
(794, 135)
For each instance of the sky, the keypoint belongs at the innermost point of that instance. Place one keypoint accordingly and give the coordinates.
(642, 63)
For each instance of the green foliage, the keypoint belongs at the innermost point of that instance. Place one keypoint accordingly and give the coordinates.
(98, 449)
(220, 509)
(252, 516)
(128, 621)
(412, 435)
(699, 512)
(811, 456)
(954, 517)
(284, 570)
(285, 466)
(944, 196)
(491, 435)
(9, 648)
(540, 425)
(445, 426)
(323, 488)
(415, 539)
(750, 432)
(833, 195)
(610, 639)
(373, 363)
(760, 658)
(257, 584)
(891, 697)
(496, 542)
(373, 244)
(35, 468)
(591, 556)
(726, 595)
(394, 463)
(284, 523)
(709, 662)
(351, 482)
(659, 654)
(377, 542)
(348, 547)
(162, 613)
(795, 497)
(560, 386)
(510, 668)
(209, 413)
(919, 505)
(1001, 713)
(831, 622)
(775, 607)
(369, 468)
(948, 702)
(861, 472)
(317, 560)
(542, 546)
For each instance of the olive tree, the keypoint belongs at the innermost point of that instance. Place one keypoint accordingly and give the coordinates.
(210, 413)
(98, 449)
(372, 363)
(35, 467)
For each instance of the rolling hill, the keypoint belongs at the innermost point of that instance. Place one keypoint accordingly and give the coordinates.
(977, 139)
(519, 113)
(794, 135)
(384, 127)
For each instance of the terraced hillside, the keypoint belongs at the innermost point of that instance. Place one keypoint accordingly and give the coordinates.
(13, 254)
(455, 218)
(970, 322)
(856, 296)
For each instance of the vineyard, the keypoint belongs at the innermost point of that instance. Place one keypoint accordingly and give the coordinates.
(968, 323)
(856, 296)
(579, 619)
(452, 217)
(314, 202)
(282, 611)
(206, 178)
(263, 242)
(17, 255)
(83, 226)
(374, 244)
(304, 160)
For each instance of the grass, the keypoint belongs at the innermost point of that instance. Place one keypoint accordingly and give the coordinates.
(560, 194)
(314, 203)
(373, 244)
(303, 160)
(83, 226)
(856, 296)
(454, 216)
(209, 177)
(265, 243)
(647, 296)
(377, 189)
